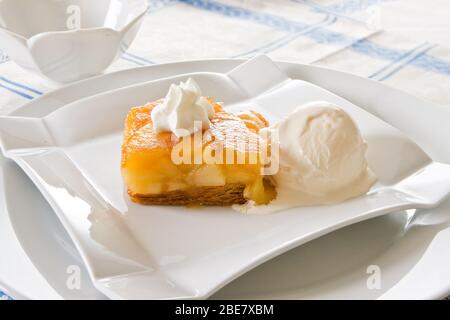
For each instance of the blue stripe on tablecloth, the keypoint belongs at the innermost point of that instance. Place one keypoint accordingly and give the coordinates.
(156, 5)
(4, 296)
(139, 58)
(408, 53)
(347, 6)
(432, 64)
(408, 61)
(24, 95)
(297, 35)
(344, 11)
(278, 43)
(321, 35)
(273, 21)
(20, 85)
(134, 58)
(133, 61)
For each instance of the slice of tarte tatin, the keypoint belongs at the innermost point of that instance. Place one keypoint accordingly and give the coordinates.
(224, 168)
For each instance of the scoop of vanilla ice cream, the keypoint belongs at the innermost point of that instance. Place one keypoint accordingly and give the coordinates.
(321, 151)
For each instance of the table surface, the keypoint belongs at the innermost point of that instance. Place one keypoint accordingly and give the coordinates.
(403, 43)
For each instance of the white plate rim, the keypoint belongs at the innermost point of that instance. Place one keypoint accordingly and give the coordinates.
(124, 73)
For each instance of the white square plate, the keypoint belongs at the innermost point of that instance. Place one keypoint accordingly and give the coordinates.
(132, 251)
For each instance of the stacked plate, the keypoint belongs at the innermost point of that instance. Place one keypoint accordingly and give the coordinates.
(400, 255)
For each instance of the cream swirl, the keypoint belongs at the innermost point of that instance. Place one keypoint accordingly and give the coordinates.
(183, 111)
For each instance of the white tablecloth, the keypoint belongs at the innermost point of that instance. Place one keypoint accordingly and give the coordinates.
(399, 42)
(348, 35)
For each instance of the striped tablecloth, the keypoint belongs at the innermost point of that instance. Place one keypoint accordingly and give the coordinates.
(349, 35)
(4, 296)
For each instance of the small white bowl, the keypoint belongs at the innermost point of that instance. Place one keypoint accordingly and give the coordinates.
(68, 40)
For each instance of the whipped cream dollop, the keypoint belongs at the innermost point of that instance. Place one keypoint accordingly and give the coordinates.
(183, 111)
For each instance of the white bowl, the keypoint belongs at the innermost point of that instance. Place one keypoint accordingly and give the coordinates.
(68, 40)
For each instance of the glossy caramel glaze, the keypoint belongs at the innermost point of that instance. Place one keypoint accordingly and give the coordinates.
(148, 167)
(238, 132)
